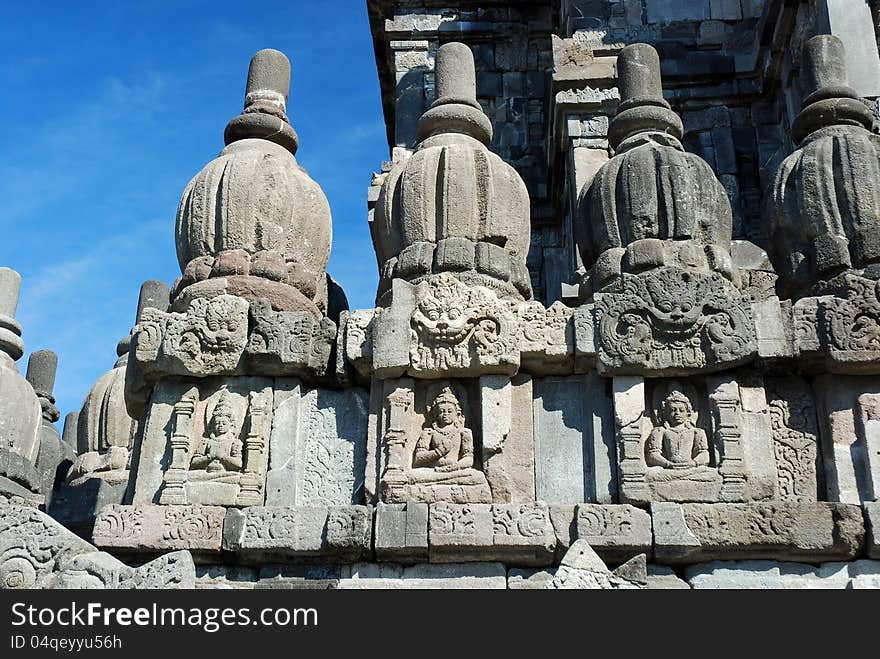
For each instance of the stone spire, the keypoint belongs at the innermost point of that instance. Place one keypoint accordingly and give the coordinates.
(653, 204)
(824, 205)
(454, 206)
(10, 330)
(42, 366)
(252, 223)
(456, 109)
(642, 107)
(265, 103)
(20, 414)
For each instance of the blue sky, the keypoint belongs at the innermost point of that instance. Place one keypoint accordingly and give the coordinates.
(111, 107)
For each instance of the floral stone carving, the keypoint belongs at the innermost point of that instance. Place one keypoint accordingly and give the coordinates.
(673, 322)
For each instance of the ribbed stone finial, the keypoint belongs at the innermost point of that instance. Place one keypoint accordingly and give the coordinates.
(455, 75)
(41, 369)
(265, 103)
(10, 284)
(154, 295)
(638, 68)
(642, 108)
(456, 110)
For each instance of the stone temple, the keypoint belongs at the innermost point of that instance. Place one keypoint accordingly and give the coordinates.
(626, 332)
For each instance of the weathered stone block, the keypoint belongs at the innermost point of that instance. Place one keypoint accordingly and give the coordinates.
(401, 532)
(685, 533)
(518, 534)
(574, 440)
(508, 439)
(340, 533)
(151, 528)
(37, 552)
(615, 532)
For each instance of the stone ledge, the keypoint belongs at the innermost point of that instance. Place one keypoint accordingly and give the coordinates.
(335, 533)
(160, 528)
(815, 532)
(517, 534)
(616, 532)
(422, 576)
(781, 575)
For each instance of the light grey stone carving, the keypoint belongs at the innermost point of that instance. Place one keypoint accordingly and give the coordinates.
(795, 438)
(673, 322)
(205, 442)
(582, 569)
(401, 532)
(657, 235)
(484, 576)
(427, 451)
(336, 533)
(816, 532)
(574, 440)
(444, 327)
(317, 447)
(37, 552)
(666, 454)
(615, 532)
(519, 534)
(20, 411)
(226, 335)
(252, 223)
(151, 528)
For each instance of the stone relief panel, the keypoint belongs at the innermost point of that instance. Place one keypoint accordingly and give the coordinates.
(227, 335)
(457, 329)
(443, 327)
(848, 409)
(206, 442)
(700, 440)
(37, 552)
(426, 449)
(317, 446)
(795, 438)
(673, 322)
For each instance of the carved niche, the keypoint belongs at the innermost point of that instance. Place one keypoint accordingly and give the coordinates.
(427, 449)
(206, 442)
(673, 322)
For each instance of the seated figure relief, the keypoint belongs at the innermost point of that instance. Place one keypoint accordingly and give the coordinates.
(677, 448)
(437, 463)
(445, 450)
(220, 450)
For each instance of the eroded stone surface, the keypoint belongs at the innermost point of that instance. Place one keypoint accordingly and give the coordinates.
(685, 533)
